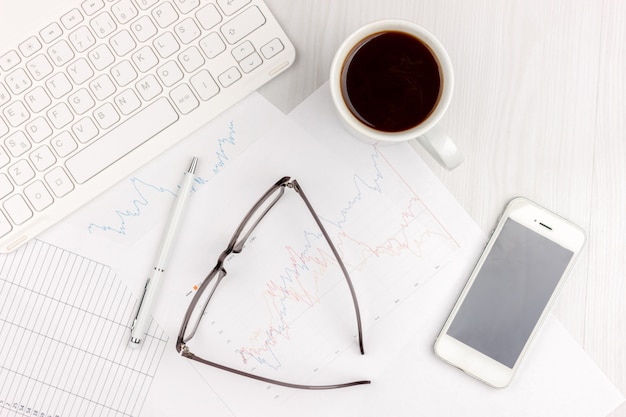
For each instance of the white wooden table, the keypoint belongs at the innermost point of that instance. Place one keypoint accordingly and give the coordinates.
(539, 110)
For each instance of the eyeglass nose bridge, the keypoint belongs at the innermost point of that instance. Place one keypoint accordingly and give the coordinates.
(222, 258)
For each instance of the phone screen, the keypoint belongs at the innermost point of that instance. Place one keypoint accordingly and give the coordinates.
(510, 293)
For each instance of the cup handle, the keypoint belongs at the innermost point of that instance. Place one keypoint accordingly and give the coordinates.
(440, 146)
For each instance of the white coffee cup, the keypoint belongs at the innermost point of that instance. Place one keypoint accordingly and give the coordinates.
(426, 133)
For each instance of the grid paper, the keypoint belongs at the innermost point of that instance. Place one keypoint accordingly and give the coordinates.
(64, 329)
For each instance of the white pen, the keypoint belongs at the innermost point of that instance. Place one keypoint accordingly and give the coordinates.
(144, 312)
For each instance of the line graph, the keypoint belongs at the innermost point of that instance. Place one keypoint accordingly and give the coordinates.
(360, 184)
(288, 287)
(141, 193)
(221, 154)
(400, 230)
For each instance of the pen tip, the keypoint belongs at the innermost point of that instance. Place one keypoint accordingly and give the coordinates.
(194, 163)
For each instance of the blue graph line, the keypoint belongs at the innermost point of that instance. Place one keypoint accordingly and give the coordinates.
(221, 154)
(359, 184)
(137, 204)
(141, 201)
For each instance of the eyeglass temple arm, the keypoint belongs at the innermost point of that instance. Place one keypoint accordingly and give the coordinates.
(186, 353)
(220, 274)
(298, 189)
(238, 247)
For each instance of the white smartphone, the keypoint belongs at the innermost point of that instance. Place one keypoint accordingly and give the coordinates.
(510, 292)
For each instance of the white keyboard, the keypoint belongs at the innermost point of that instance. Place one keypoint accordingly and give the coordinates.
(109, 85)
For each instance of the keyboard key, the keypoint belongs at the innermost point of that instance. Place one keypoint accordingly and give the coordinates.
(18, 81)
(183, 99)
(60, 53)
(21, 172)
(122, 43)
(80, 71)
(37, 99)
(101, 57)
(242, 25)
(166, 44)
(29, 46)
(191, 59)
(38, 196)
(271, 48)
(212, 45)
(143, 28)
(85, 130)
(250, 63)
(124, 11)
(187, 31)
(230, 7)
(63, 144)
(145, 58)
(58, 85)
(82, 39)
(102, 87)
(229, 76)
(121, 140)
(242, 50)
(208, 16)
(91, 6)
(169, 73)
(59, 182)
(17, 209)
(204, 85)
(60, 115)
(81, 101)
(123, 73)
(127, 101)
(5, 186)
(164, 14)
(51, 32)
(4, 157)
(4, 129)
(42, 158)
(9, 60)
(71, 19)
(4, 95)
(38, 129)
(185, 6)
(148, 87)
(16, 113)
(106, 115)
(103, 25)
(17, 143)
(39, 67)
(146, 4)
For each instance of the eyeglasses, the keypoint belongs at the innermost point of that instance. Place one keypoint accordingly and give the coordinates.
(198, 305)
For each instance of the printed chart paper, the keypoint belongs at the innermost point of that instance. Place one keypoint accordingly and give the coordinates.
(63, 334)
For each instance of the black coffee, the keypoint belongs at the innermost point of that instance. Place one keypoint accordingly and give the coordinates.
(390, 81)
